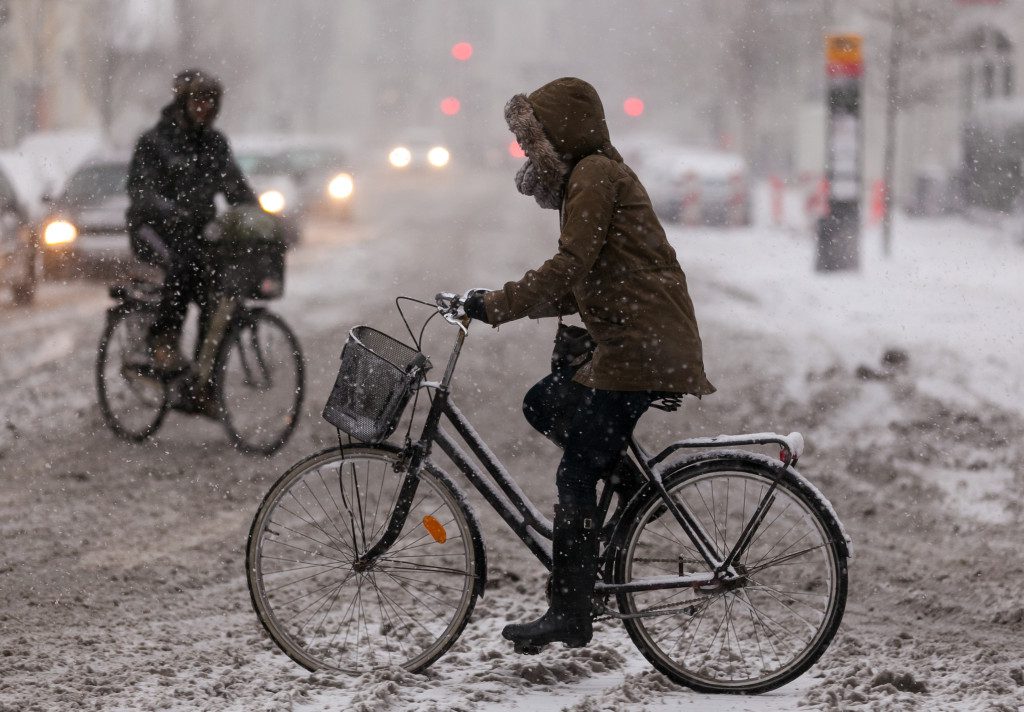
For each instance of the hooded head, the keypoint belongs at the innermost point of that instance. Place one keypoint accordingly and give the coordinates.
(197, 95)
(557, 126)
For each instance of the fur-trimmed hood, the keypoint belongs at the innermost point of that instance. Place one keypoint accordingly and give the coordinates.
(557, 126)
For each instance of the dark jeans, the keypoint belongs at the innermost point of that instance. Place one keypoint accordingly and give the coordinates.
(186, 280)
(592, 427)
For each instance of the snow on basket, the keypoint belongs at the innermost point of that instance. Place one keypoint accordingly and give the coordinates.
(377, 377)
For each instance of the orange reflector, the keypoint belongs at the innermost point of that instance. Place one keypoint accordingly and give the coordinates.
(435, 528)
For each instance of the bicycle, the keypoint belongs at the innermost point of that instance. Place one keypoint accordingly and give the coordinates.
(248, 372)
(727, 567)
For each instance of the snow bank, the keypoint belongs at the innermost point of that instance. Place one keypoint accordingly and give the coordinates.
(950, 296)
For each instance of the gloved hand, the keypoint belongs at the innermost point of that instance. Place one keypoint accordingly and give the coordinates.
(474, 305)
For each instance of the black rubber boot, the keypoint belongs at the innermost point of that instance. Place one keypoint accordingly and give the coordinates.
(574, 554)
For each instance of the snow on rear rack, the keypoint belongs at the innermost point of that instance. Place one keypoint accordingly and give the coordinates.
(792, 445)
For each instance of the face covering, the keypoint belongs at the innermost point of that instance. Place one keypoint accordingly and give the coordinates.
(528, 182)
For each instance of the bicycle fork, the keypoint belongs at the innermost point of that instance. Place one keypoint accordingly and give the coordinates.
(417, 454)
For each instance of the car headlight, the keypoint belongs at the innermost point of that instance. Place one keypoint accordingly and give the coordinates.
(400, 157)
(272, 201)
(438, 156)
(59, 232)
(341, 186)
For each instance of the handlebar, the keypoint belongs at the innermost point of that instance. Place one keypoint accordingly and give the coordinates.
(449, 306)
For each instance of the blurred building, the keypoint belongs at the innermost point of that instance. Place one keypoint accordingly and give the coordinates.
(40, 61)
(960, 59)
(746, 75)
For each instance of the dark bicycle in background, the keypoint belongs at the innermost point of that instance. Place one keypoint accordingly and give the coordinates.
(727, 567)
(248, 371)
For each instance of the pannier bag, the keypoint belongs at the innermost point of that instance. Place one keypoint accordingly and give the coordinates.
(378, 376)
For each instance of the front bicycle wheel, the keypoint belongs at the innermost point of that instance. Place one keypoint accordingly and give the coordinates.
(260, 383)
(406, 608)
(766, 628)
(133, 398)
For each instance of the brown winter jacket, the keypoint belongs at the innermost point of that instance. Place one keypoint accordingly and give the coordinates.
(614, 264)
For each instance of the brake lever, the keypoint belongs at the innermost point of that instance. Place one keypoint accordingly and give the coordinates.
(448, 305)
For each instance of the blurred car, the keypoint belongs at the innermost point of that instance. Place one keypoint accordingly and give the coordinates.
(323, 173)
(85, 229)
(419, 149)
(697, 186)
(17, 245)
(268, 174)
(313, 176)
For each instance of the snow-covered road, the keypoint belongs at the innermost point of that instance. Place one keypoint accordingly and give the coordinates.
(121, 572)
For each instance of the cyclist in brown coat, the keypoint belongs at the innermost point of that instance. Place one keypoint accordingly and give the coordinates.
(615, 267)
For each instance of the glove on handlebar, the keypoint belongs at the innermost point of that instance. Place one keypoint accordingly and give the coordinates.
(474, 307)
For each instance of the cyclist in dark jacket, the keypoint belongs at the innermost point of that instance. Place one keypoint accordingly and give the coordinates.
(615, 267)
(176, 170)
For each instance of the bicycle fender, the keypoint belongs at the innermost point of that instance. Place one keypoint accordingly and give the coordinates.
(832, 522)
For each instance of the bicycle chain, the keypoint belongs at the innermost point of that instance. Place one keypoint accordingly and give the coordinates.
(648, 612)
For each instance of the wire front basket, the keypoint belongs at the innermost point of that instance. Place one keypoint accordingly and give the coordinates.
(377, 378)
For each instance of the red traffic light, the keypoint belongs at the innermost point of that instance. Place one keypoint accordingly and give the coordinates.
(462, 51)
(450, 106)
(633, 106)
(515, 150)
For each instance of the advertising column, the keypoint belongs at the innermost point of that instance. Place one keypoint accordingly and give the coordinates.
(839, 229)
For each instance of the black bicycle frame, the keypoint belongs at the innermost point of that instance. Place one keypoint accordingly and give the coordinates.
(523, 518)
(227, 312)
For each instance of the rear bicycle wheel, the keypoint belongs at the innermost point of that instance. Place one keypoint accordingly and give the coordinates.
(133, 398)
(770, 626)
(406, 609)
(260, 379)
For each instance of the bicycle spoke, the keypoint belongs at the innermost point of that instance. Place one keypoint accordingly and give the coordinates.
(409, 580)
(304, 578)
(309, 593)
(311, 521)
(767, 528)
(778, 626)
(376, 506)
(782, 559)
(330, 494)
(306, 536)
(426, 568)
(782, 603)
(404, 586)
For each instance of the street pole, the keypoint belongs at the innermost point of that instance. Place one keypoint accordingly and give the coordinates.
(839, 230)
(892, 89)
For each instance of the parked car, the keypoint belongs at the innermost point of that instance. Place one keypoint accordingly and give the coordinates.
(85, 229)
(692, 185)
(17, 246)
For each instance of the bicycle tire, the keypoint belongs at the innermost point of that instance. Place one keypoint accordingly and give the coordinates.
(249, 392)
(812, 517)
(267, 547)
(105, 360)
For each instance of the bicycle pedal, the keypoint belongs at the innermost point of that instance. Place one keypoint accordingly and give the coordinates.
(527, 648)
